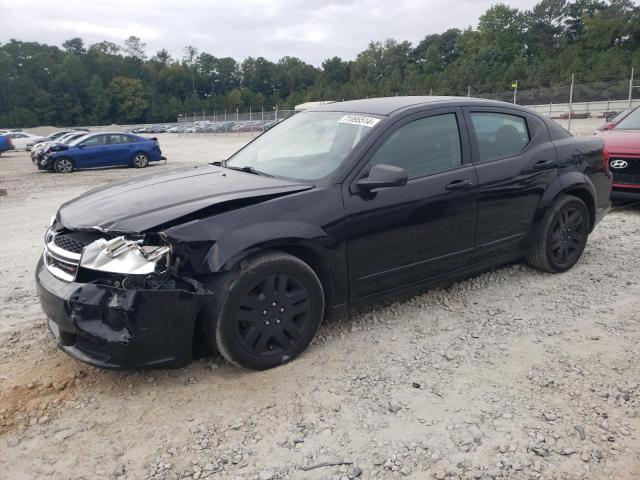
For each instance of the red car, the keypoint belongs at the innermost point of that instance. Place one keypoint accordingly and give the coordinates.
(622, 144)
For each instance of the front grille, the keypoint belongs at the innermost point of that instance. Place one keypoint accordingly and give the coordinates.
(92, 347)
(66, 242)
(630, 173)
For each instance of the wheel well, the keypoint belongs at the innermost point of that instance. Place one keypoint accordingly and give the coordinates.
(312, 259)
(588, 200)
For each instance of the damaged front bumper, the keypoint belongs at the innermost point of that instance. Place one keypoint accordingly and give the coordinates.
(122, 328)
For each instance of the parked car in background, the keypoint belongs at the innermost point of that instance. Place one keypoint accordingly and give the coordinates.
(334, 207)
(6, 143)
(105, 149)
(613, 119)
(22, 139)
(48, 138)
(622, 143)
(38, 154)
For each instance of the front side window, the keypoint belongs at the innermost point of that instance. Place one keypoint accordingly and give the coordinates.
(94, 141)
(499, 135)
(423, 147)
(306, 146)
(631, 122)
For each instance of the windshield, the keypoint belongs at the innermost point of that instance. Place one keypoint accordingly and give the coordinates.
(76, 141)
(307, 146)
(631, 122)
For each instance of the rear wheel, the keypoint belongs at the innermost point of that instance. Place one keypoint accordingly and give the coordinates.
(267, 313)
(63, 165)
(562, 236)
(140, 160)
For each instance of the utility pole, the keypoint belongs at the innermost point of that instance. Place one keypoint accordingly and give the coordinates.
(570, 102)
(631, 86)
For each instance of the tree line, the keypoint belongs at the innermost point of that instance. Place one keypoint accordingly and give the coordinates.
(108, 83)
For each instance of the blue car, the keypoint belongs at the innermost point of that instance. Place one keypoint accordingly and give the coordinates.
(5, 143)
(97, 150)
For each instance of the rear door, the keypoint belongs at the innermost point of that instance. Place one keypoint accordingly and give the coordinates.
(515, 162)
(403, 235)
(120, 149)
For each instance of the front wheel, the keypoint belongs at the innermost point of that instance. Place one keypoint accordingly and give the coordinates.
(140, 160)
(562, 236)
(268, 312)
(63, 165)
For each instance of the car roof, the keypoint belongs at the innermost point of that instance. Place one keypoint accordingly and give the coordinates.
(390, 105)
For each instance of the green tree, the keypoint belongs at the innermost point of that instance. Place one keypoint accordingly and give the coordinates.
(127, 99)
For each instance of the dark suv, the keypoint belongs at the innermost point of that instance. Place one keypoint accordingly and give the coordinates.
(333, 207)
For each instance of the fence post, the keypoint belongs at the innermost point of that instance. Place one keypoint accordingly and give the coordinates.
(226, 128)
(251, 120)
(215, 124)
(468, 90)
(276, 113)
(631, 86)
(237, 120)
(570, 102)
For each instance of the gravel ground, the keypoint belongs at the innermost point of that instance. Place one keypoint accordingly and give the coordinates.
(512, 374)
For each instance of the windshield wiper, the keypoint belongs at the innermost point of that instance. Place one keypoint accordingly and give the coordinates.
(248, 169)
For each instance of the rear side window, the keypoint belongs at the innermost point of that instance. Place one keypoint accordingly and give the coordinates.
(119, 139)
(422, 147)
(499, 135)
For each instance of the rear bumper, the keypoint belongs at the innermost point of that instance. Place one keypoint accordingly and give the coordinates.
(116, 328)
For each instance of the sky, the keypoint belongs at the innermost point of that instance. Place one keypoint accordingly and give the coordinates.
(312, 30)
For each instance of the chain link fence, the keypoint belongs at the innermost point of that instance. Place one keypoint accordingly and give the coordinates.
(228, 122)
(574, 100)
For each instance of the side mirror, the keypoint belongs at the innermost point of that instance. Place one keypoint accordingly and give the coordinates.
(383, 175)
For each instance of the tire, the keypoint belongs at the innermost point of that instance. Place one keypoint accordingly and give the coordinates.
(562, 236)
(140, 160)
(266, 312)
(64, 165)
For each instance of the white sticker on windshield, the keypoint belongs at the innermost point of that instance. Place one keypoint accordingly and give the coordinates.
(359, 120)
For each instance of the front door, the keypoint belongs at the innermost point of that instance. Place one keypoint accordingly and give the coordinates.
(402, 235)
(92, 152)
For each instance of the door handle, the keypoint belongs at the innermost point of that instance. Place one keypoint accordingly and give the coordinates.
(459, 184)
(543, 164)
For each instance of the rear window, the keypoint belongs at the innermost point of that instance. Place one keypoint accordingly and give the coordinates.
(499, 135)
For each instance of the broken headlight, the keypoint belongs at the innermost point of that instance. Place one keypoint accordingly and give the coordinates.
(124, 256)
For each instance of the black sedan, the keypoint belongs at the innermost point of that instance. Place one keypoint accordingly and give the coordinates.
(334, 207)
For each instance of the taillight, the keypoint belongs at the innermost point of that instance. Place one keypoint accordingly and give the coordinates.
(9, 140)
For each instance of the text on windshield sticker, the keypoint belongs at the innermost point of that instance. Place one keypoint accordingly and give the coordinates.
(359, 120)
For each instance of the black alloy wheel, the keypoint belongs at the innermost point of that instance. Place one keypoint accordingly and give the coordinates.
(272, 315)
(568, 235)
(266, 311)
(561, 237)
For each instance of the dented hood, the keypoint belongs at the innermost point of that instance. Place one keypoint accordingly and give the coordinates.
(141, 203)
